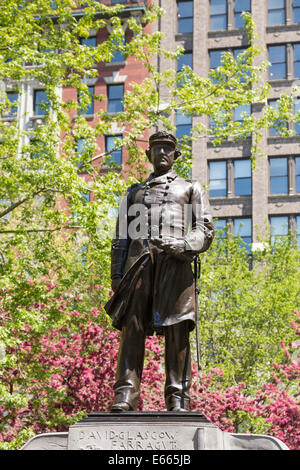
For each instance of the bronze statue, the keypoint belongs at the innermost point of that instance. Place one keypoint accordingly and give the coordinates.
(152, 276)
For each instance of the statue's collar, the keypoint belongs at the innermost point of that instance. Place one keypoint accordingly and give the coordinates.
(167, 177)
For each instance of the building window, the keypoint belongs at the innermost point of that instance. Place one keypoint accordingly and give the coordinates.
(215, 57)
(239, 227)
(183, 125)
(284, 175)
(279, 226)
(281, 67)
(85, 197)
(240, 112)
(81, 144)
(115, 95)
(296, 48)
(276, 12)
(221, 228)
(185, 16)
(90, 41)
(298, 230)
(217, 179)
(218, 15)
(215, 60)
(242, 227)
(279, 122)
(89, 108)
(278, 175)
(224, 14)
(239, 7)
(40, 102)
(242, 178)
(297, 110)
(111, 142)
(218, 121)
(12, 98)
(220, 224)
(81, 149)
(230, 178)
(118, 55)
(297, 174)
(296, 11)
(185, 59)
(277, 57)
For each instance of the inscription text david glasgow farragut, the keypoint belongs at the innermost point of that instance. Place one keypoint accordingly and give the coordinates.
(129, 438)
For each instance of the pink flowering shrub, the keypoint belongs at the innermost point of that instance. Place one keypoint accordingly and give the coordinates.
(65, 362)
(274, 410)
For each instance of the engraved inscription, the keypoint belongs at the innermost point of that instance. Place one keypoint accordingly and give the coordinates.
(155, 438)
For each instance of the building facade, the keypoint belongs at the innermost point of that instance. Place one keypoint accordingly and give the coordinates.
(113, 80)
(246, 200)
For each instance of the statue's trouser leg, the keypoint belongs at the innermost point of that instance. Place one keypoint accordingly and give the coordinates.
(178, 366)
(130, 364)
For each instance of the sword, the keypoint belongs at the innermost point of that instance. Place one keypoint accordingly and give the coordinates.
(197, 272)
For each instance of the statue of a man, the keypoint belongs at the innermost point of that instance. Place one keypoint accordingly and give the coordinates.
(152, 276)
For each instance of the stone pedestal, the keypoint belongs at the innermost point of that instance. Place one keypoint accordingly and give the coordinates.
(150, 431)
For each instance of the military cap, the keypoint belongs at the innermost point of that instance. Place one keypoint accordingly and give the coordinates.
(162, 136)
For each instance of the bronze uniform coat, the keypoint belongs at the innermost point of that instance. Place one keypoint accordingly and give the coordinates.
(158, 285)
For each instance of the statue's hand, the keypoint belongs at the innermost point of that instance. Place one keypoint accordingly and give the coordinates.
(115, 283)
(172, 246)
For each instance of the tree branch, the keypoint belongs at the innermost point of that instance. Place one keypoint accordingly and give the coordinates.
(21, 201)
(31, 230)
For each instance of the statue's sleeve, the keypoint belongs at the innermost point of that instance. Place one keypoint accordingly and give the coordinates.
(201, 234)
(120, 241)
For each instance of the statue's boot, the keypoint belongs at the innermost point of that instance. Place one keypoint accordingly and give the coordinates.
(129, 368)
(178, 367)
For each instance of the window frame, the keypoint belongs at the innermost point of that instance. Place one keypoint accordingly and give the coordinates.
(231, 15)
(236, 219)
(272, 130)
(210, 162)
(297, 175)
(13, 112)
(292, 175)
(83, 40)
(229, 228)
(237, 13)
(234, 51)
(230, 178)
(114, 100)
(37, 105)
(179, 20)
(283, 9)
(187, 124)
(82, 140)
(89, 111)
(213, 16)
(107, 137)
(294, 9)
(185, 54)
(289, 11)
(282, 216)
(284, 46)
(236, 179)
(283, 175)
